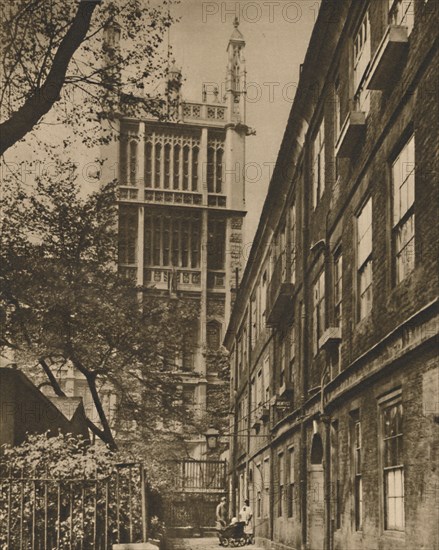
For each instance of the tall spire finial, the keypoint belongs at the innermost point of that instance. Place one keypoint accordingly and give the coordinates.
(236, 22)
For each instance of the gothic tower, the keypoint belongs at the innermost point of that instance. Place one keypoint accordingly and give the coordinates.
(181, 210)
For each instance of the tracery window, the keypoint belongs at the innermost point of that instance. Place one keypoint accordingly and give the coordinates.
(171, 161)
(215, 157)
(172, 242)
(127, 235)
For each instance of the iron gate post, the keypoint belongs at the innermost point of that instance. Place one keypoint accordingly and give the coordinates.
(144, 504)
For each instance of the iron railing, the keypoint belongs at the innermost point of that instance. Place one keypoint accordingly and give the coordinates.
(200, 475)
(74, 514)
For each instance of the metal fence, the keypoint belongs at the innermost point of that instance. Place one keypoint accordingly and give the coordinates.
(199, 484)
(73, 514)
(202, 475)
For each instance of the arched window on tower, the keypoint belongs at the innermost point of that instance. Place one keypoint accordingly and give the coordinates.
(148, 164)
(210, 169)
(123, 174)
(216, 244)
(133, 162)
(185, 167)
(213, 335)
(158, 167)
(176, 177)
(128, 219)
(167, 175)
(219, 171)
(195, 152)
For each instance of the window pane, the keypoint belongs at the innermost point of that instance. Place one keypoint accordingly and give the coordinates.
(403, 175)
(158, 156)
(185, 168)
(195, 152)
(219, 171)
(148, 166)
(167, 175)
(361, 51)
(133, 162)
(210, 169)
(176, 176)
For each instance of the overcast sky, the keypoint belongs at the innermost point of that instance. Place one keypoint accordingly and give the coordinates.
(277, 35)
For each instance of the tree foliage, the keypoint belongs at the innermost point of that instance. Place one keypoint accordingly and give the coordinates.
(67, 56)
(63, 303)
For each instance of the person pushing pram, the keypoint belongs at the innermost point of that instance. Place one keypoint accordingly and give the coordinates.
(233, 534)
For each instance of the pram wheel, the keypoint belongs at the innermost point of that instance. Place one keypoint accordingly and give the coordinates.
(242, 541)
(224, 542)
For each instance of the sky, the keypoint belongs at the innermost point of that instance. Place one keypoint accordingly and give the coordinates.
(277, 35)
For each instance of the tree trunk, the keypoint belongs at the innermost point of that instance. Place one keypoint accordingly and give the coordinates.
(41, 101)
(52, 380)
(105, 434)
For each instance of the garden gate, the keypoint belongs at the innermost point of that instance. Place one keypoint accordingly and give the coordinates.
(198, 487)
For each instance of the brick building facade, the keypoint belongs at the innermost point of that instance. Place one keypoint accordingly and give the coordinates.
(335, 382)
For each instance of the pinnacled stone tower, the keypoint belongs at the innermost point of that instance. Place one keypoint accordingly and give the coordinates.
(181, 211)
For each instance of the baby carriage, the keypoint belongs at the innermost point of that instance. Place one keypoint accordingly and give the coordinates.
(233, 534)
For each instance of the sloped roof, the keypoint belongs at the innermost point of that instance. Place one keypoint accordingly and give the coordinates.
(67, 405)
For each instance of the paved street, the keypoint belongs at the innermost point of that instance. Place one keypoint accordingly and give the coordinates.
(201, 544)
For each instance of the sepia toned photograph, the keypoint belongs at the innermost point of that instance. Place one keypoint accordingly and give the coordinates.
(219, 274)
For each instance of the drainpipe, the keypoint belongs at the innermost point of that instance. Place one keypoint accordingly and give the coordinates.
(235, 438)
(303, 445)
(249, 398)
(303, 480)
(272, 471)
(305, 361)
(326, 419)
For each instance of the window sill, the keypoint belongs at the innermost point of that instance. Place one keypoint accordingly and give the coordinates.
(393, 534)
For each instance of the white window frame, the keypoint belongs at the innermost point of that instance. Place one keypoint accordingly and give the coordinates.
(318, 310)
(403, 203)
(364, 260)
(292, 352)
(291, 482)
(386, 403)
(318, 169)
(259, 491)
(338, 287)
(293, 242)
(337, 109)
(402, 13)
(362, 58)
(267, 480)
(280, 483)
(358, 479)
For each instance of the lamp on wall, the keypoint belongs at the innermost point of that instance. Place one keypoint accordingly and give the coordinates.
(212, 435)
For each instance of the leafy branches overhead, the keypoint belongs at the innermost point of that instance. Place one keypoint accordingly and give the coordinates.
(63, 303)
(73, 57)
